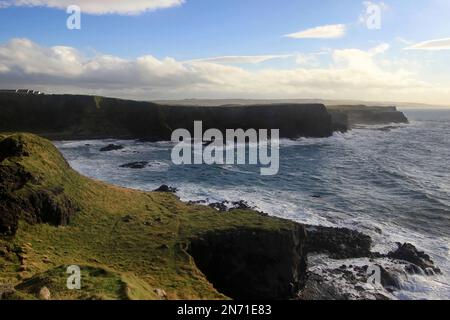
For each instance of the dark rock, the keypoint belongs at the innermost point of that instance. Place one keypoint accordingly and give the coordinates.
(389, 280)
(316, 289)
(338, 243)
(11, 147)
(226, 206)
(359, 288)
(158, 219)
(46, 208)
(18, 201)
(413, 269)
(167, 189)
(135, 165)
(127, 218)
(198, 202)
(9, 215)
(409, 253)
(247, 263)
(241, 205)
(164, 247)
(111, 147)
(220, 206)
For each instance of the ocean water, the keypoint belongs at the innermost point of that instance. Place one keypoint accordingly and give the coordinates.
(391, 182)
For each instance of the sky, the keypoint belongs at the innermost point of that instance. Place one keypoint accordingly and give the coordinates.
(395, 50)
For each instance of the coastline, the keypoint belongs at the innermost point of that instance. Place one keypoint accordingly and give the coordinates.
(338, 243)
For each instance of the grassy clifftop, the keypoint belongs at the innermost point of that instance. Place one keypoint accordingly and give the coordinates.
(129, 244)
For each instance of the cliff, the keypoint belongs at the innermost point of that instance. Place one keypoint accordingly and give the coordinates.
(131, 244)
(347, 117)
(88, 117)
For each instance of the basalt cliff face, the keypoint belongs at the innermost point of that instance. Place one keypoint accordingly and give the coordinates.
(88, 117)
(74, 117)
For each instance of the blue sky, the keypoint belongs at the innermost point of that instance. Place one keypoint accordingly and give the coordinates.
(189, 30)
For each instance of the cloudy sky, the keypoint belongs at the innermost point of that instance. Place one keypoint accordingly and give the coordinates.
(176, 49)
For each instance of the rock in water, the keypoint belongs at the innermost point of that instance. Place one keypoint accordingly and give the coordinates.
(111, 147)
(166, 188)
(135, 165)
(389, 280)
(409, 253)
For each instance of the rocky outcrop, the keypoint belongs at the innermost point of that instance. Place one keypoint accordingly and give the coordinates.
(251, 263)
(19, 199)
(10, 147)
(166, 189)
(338, 243)
(40, 206)
(135, 165)
(111, 147)
(409, 253)
(329, 279)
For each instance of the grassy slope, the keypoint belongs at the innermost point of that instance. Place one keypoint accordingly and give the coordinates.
(119, 259)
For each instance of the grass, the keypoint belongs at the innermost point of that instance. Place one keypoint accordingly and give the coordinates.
(134, 258)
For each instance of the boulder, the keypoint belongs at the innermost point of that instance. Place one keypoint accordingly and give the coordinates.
(111, 147)
(44, 294)
(409, 253)
(166, 188)
(135, 165)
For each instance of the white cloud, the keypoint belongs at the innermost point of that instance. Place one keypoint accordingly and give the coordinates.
(349, 74)
(404, 41)
(380, 49)
(99, 6)
(308, 59)
(243, 59)
(434, 45)
(321, 32)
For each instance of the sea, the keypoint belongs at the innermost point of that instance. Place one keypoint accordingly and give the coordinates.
(391, 182)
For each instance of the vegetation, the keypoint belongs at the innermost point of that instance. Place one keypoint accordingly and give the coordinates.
(129, 244)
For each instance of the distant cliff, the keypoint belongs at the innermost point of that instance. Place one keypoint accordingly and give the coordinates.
(90, 117)
(346, 117)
